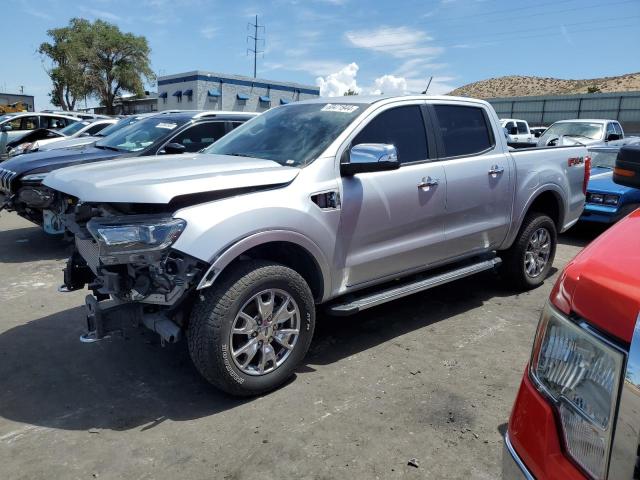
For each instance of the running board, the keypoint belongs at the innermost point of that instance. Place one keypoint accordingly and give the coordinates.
(399, 291)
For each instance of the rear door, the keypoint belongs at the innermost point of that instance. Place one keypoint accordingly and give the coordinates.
(478, 173)
(392, 222)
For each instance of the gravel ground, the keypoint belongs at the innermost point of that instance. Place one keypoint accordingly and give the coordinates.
(431, 377)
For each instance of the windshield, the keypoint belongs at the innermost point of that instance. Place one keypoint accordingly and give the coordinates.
(604, 158)
(293, 135)
(139, 135)
(73, 128)
(125, 122)
(5, 117)
(589, 130)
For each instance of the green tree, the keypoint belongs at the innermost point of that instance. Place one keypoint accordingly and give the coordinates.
(593, 89)
(119, 63)
(350, 92)
(66, 67)
(95, 59)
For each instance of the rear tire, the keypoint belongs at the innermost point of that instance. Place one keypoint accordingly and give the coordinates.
(527, 263)
(238, 337)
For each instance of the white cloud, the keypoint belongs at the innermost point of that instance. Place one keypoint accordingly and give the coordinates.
(336, 84)
(399, 42)
(313, 67)
(101, 14)
(209, 32)
(389, 85)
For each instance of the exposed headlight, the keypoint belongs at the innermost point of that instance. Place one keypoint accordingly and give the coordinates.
(35, 177)
(611, 199)
(135, 233)
(580, 373)
(596, 198)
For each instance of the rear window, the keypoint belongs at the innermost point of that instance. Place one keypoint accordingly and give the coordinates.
(464, 130)
(522, 128)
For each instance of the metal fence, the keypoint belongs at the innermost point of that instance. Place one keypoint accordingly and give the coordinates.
(546, 109)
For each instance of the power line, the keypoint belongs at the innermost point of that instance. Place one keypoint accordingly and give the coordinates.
(256, 39)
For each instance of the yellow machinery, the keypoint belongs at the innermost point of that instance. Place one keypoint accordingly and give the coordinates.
(13, 107)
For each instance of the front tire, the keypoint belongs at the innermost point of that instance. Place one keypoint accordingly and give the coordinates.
(527, 263)
(248, 334)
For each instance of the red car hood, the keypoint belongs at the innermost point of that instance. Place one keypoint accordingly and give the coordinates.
(602, 284)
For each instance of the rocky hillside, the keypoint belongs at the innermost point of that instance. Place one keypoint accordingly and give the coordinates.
(516, 85)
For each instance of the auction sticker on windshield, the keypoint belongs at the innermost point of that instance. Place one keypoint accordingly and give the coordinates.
(168, 126)
(337, 107)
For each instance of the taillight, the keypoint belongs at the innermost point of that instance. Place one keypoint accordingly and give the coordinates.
(587, 173)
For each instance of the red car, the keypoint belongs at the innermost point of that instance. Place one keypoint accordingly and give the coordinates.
(577, 412)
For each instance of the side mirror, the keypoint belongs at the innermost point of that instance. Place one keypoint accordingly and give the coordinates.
(6, 128)
(612, 136)
(627, 169)
(85, 134)
(370, 157)
(174, 148)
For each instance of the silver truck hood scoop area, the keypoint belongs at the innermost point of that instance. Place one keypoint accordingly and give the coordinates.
(163, 178)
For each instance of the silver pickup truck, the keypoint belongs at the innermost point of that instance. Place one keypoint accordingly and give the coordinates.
(342, 203)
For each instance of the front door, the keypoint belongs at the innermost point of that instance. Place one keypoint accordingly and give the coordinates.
(392, 222)
(478, 181)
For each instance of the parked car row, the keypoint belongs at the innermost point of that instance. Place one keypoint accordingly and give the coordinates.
(158, 134)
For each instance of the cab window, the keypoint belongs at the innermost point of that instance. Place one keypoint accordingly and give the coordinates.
(402, 127)
(464, 130)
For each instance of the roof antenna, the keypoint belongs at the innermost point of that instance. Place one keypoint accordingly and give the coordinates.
(428, 84)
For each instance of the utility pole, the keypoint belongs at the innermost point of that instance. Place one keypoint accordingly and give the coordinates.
(22, 89)
(255, 39)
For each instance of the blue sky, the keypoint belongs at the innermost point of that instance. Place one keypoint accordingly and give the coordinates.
(372, 46)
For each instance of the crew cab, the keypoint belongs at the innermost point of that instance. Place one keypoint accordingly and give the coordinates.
(160, 134)
(584, 131)
(606, 200)
(341, 204)
(518, 133)
(577, 412)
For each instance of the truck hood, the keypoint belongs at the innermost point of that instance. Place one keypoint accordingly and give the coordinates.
(601, 181)
(601, 283)
(161, 179)
(38, 162)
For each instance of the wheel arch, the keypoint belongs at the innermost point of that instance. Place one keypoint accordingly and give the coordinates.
(548, 201)
(291, 249)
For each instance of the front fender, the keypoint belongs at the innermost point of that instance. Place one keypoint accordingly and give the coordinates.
(228, 255)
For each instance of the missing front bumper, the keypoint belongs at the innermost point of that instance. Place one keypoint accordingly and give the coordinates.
(110, 317)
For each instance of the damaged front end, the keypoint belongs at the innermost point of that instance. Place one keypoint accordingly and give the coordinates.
(126, 260)
(33, 201)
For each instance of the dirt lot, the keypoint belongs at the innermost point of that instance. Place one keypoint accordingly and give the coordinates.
(430, 377)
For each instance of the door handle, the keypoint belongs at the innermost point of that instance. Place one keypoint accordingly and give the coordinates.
(496, 170)
(427, 182)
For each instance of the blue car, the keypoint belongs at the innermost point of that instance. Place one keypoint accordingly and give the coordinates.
(607, 202)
